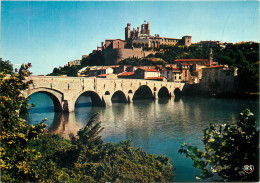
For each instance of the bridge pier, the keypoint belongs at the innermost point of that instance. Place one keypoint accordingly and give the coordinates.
(155, 95)
(106, 100)
(68, 106)
(130, 98)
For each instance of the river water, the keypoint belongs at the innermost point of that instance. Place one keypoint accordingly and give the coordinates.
(158, 127)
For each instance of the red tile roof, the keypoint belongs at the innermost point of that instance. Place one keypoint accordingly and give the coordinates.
(163, 69)
(217, 66)
(126, 74)
(149, 70)
(154, 78)
(114, 66)
(191, 60)
(101, 75)
(185, 64)
(197, 70)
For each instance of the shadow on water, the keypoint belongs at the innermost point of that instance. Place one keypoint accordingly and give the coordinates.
(177, 98)
(58, 116)
(163, 100)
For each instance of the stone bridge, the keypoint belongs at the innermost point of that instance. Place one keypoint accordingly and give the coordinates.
(64, 91)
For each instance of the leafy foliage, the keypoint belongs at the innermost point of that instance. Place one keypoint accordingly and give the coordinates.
(66, 70)
(140, 61)
(95, 58)
(85, 158)
(6, 66)
(228, 148)
(15, 132)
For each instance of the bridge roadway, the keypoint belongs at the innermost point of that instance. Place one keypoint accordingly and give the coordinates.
(64, 91)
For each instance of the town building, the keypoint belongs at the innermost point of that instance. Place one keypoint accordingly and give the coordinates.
(171, 74)
(74, 62)
(218, 79)
(143, 73)
(126, 75)
(92, 71)
(177, 75)
(196, 76)
(209, 44)
(191, 68)
(107, 76)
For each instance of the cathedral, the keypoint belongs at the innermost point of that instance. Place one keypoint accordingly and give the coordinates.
(137, 38)
(138, 43)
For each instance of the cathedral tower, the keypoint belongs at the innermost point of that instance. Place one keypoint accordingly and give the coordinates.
(127, 31)
(145, 29)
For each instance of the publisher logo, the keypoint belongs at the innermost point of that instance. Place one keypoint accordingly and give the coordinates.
(248, 168)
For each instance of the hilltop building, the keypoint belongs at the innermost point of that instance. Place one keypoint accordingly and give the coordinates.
(138, 39)
(74, 62)
(138, 43)
(209, 44)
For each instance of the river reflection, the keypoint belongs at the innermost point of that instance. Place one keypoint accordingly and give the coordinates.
(158, 127)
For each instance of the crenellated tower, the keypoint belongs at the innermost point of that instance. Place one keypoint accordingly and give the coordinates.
(186, 40)
(145, 29)
(127, 32)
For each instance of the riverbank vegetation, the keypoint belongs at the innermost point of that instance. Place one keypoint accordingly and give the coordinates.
(29, 153)
(231, 151)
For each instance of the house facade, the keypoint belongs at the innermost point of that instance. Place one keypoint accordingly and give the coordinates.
(218, 79)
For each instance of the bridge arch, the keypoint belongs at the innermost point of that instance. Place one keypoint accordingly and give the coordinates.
(54, 95)
(177, 92)
(143, 92)
(95, 98)
(164, 93)
(119, 97)
(107, 93)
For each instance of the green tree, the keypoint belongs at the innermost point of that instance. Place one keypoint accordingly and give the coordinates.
(6, 66)
(15, 131)
(228, 148)
(66, 70)
(95, 58)
(248, 77)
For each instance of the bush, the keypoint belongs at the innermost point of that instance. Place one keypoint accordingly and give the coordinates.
(229, 148)
(15, 132)
(85, 158)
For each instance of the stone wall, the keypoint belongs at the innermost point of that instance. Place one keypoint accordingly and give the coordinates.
(114, 56)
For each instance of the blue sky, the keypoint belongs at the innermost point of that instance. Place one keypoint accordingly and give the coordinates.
(50, 33)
